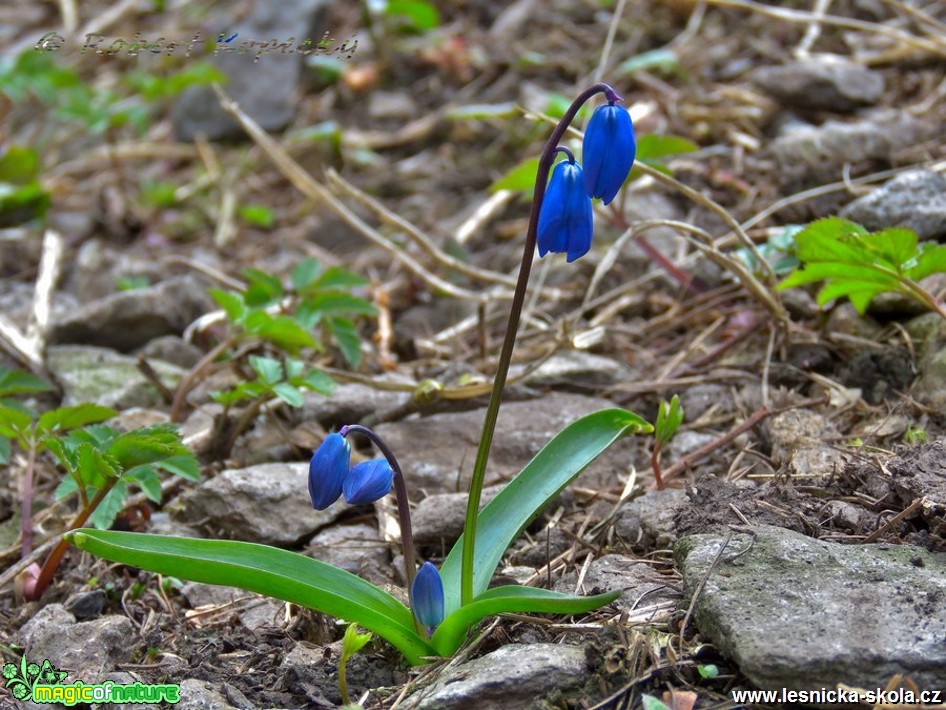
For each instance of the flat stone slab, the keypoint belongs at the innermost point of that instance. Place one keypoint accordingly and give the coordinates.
(513, 677)
(803, 614)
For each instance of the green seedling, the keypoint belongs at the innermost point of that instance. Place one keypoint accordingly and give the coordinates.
(102, 463)
(352, 643)
(669, 418)
(860, 265)
(319, 307)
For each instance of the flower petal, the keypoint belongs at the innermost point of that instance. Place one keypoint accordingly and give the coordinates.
(427, 597)
(327, 470)
(565, 218)
(608, 151)
(368, 481)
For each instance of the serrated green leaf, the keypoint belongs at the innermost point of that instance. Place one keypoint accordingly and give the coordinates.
(265, 570)
(231, 303)
(258, 215)
(266, 287)
(21, 382)
(335, 277)
(419, 15)
(525, 496)
(289, 394)
(283, 332)
(14, 422)
(931, 259)
(653, 146)
(93, 467)
(305, 272)
(183, 465)
(346, 337)
(269, 369)
(317, 381)
(111, 505)
(663, 59)
(342, 302)
(519, 178)
(146, 446)
(147, 480)
(65, 418)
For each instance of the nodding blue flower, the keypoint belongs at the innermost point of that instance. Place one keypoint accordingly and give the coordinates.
(368, 481)
(608, 151)
(427, 597)
(327, 470)
(565, 220)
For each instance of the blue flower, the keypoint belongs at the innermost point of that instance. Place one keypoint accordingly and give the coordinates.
(608, 151)
(368, 481)
(327, 471)
(427, 597)
(565, 221)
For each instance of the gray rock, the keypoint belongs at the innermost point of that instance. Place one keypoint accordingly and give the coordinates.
(88, 650)
(578, 367)
(352, 404)
(264, 89)
(444, 461)
(801, 613)
(268, 503)
(202, 695)
(129, 319)
(798, 441)
(254, 610)
(89, 374)
(916, 200)
(699, 399)
(438, 519)
(825, 83)
(642, 589)
(356, 548)
(516, 676)
(816, 155)
(647, 522)
(173, 349)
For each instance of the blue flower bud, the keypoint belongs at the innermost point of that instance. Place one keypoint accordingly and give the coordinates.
(427, 597)
(368, 481)
(608, 151)
(565, 220)
(327, 471)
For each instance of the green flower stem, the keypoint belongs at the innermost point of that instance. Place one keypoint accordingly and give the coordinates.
(403, 503)
(505, 355)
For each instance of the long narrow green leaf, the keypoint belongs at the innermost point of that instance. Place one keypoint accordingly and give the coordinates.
(453, 631)
(266, 570)
(527, 495)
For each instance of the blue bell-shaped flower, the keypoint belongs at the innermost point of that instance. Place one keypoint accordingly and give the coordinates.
(368, 481)
(565, 220)
(327, 470)
(608, 151)
(427, 597)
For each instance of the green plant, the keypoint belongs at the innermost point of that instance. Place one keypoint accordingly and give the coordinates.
(449, 604)
(669, 418)
(102, 463)
(860, 265)
(352, 643)
(319, 302)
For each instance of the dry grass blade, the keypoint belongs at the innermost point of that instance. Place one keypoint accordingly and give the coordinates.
(306, 184)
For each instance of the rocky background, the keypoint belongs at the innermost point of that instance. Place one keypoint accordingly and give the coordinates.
(800, 541)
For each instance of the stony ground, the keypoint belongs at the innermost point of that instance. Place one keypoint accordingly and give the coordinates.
(800, 541)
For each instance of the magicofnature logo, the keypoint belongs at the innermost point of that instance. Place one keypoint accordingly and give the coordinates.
(22, 679)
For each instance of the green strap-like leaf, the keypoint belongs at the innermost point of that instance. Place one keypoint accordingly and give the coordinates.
(266, 570)
(543, 478)
(452, 632)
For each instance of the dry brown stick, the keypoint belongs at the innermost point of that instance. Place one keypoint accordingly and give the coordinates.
(894, 520)
(757, 416)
